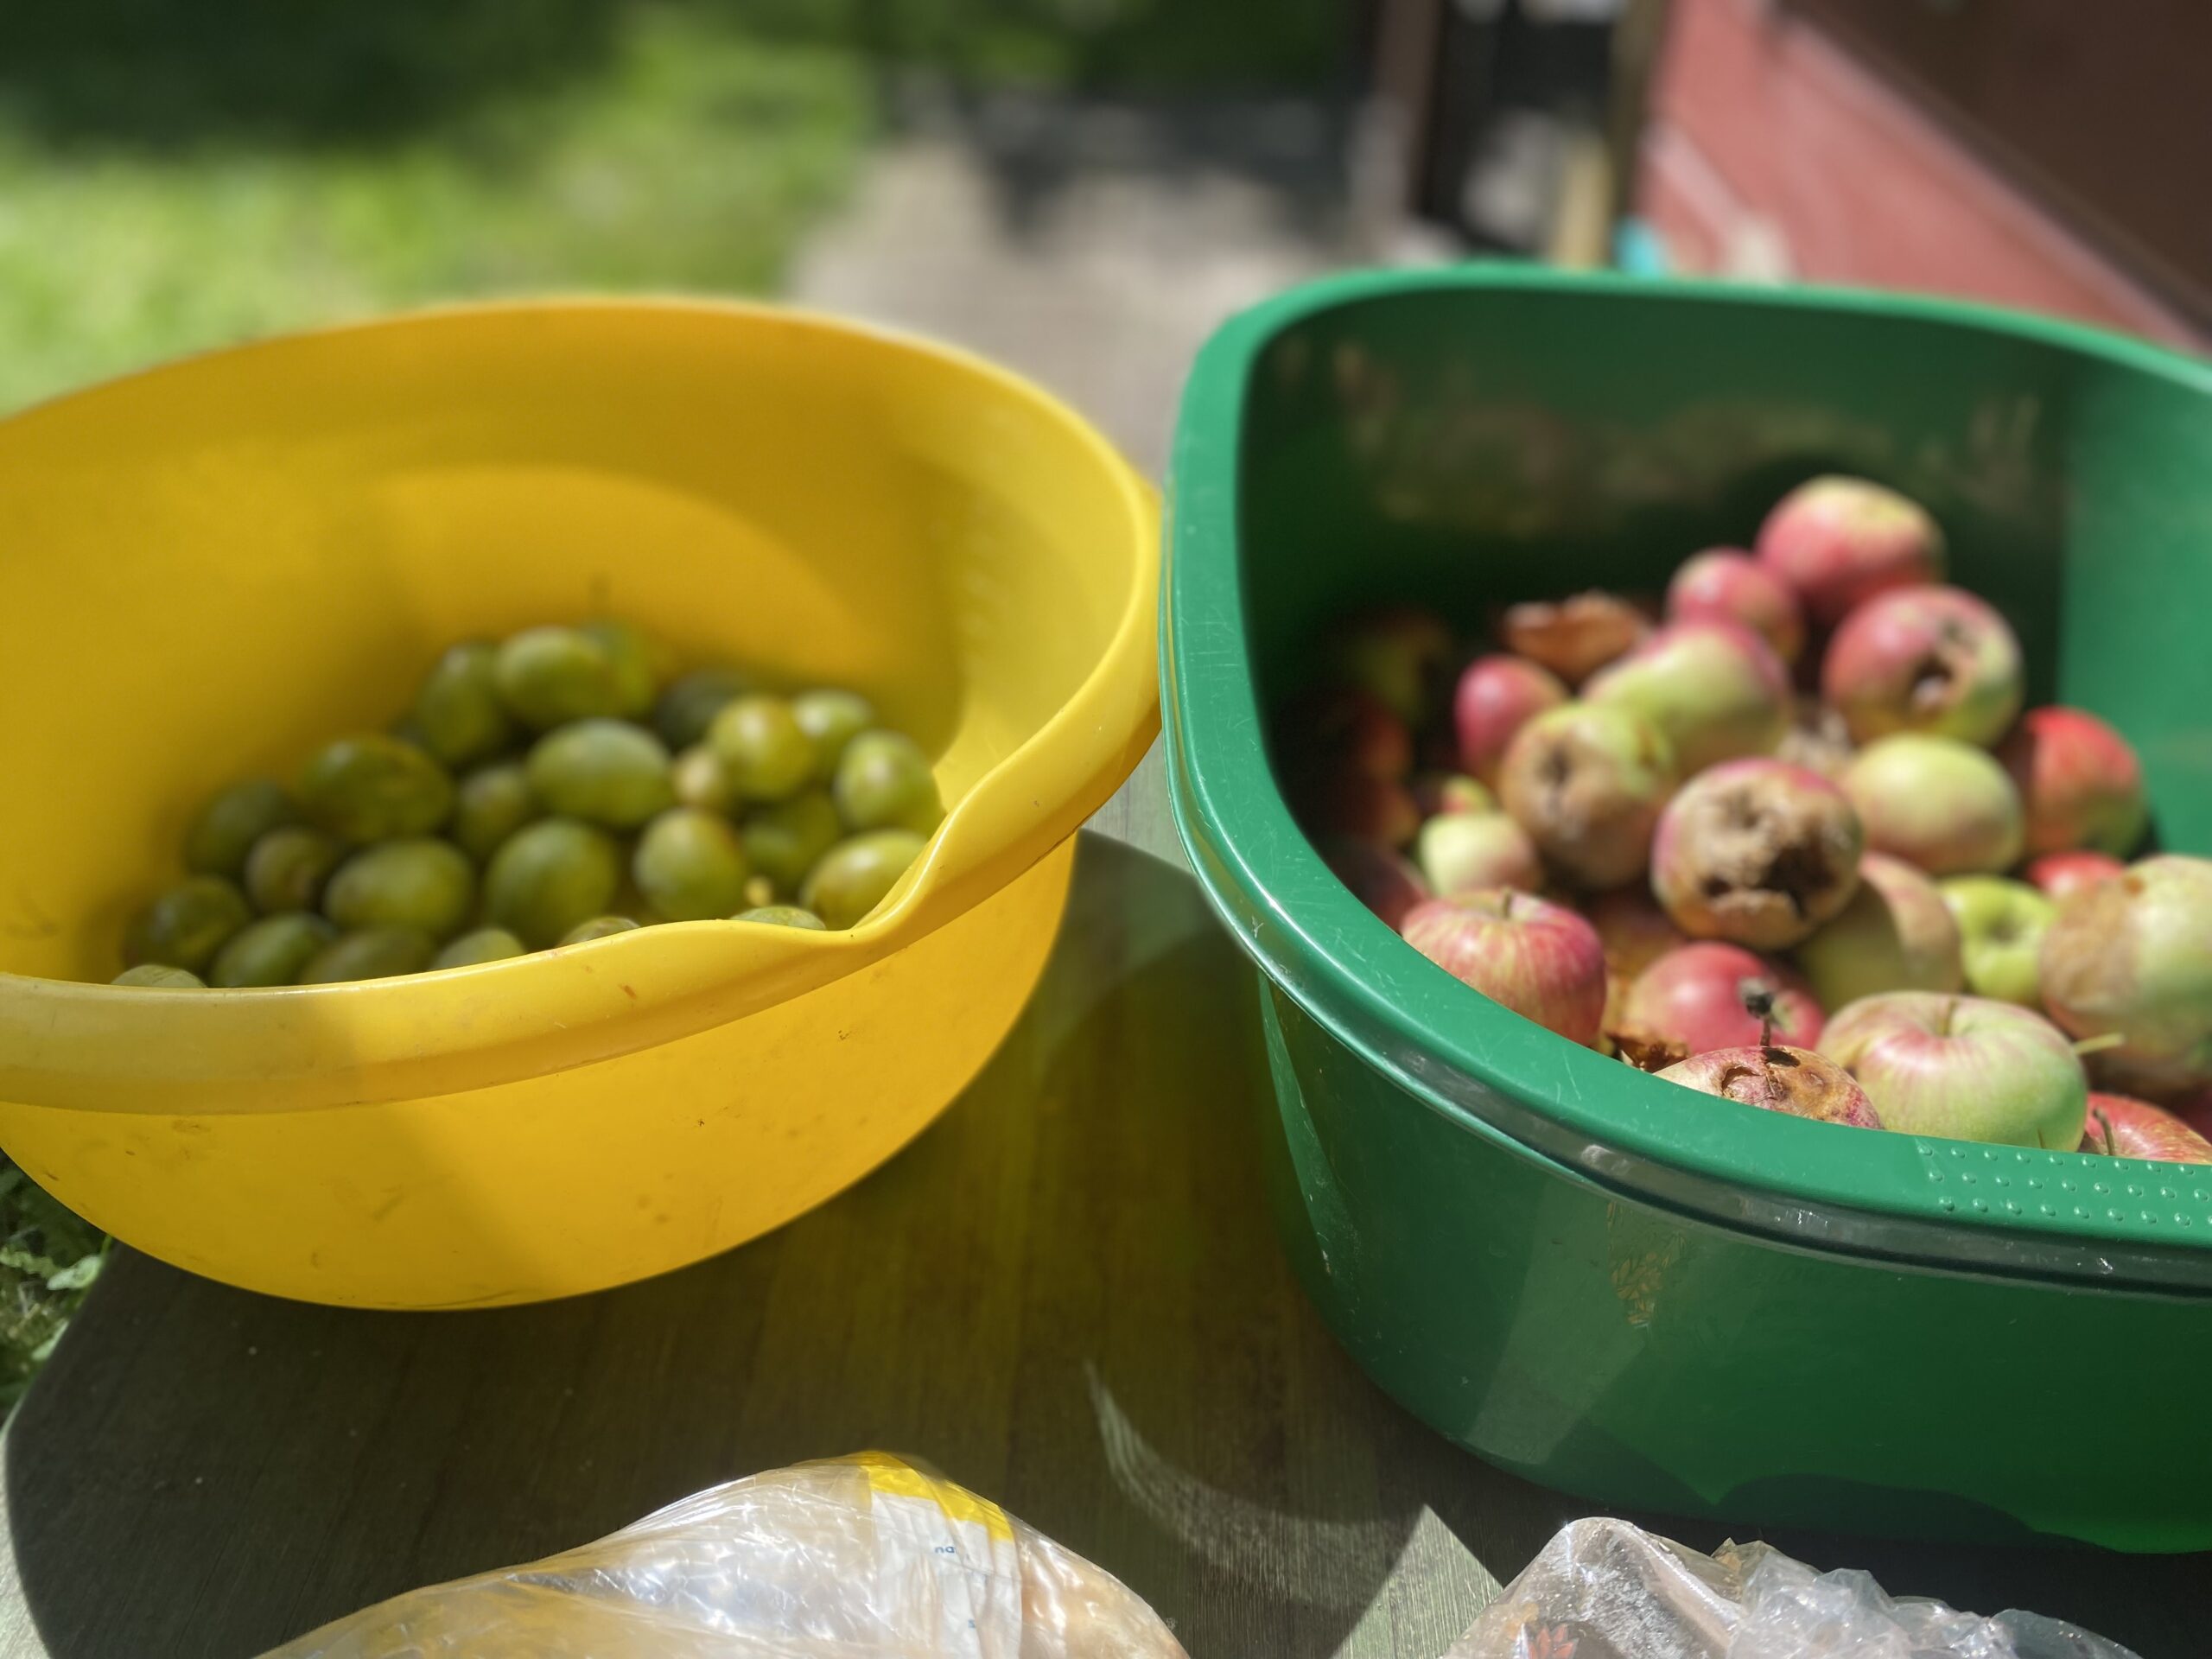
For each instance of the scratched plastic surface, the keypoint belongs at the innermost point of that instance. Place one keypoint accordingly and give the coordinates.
(1603, 1589)
(860, 1558)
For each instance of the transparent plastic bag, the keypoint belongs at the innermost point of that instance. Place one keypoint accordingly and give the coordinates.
(1604, 1589)
(866, 1557)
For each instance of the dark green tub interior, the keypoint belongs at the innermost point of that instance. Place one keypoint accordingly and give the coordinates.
(1580, 1272)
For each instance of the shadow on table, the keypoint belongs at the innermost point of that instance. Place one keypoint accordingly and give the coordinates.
(1066, 1294)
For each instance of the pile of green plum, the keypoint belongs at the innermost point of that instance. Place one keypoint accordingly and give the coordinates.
(548, 789)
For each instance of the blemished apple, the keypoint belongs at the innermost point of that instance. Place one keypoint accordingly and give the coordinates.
(1437, 792)
(1714, 690)
(1586, 782)
(1634, 933)
(2122, 1127)
(2081, 783)
(1936, 802)
(2061, 873)
(1726, 584)
(1839, 541)
(2001, 924)
(1343, 728)
(1757, 852)
(1965, 1067)
(1817, 739)
(1775, 1078)
(1924, 659)
(1706, 994)
(1380, 879)
(1539, 959)
(1399, 655)
(1574, 638)
(1897, 934)
(1457, 851)
(2132, 958)
(1496, 696)
(1359, 804)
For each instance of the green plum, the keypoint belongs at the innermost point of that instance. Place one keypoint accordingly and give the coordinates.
(780, 915)
(288, 866)
(692, 701)
(371, 953)
(638, 658)
(227, 828)
(602, 771)
(372, 786)
(549, 876)
(490, 805)
(689, 865)
(786, 839)
(484, 945)
(272, 950)
(597, 927)
(831, 719)
(160, 976)
(856, 875)
(761, 747)
(883, 782)
(699, 779)
(458, 715)
(185, 926)
(548, 676)
(419, 882)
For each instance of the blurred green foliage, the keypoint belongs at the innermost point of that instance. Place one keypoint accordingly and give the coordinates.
(48, 1257)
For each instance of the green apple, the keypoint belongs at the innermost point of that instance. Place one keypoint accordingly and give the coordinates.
(2001, 924)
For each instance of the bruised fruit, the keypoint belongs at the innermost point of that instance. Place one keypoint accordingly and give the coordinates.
(1924, 659)
(1777, 1078)
(2131, 958)
(1586, 782)
(1576, 637)
(1757, 852)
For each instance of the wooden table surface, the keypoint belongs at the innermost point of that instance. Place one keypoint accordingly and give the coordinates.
(1065, 1295)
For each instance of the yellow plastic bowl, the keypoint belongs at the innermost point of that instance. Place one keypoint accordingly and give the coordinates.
(207, 570)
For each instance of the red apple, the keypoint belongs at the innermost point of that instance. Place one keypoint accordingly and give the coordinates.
(1758, 852)
(1537, 958)
(1777, 1079)
(1588, 783)
(1724, 584)
(2120, 1128)
(2061, 873)
(1576, 637)
(1399, 655)
(1703, 997)
(2079, 782)
(1436, 792)
(1634, 933)
(2132, 958)
(1839, 541)
(1942, 804)
(1924, 659)
(1379, 878)
(1897, 934)
(1458, 851)
(1342, 728)
(1496, 696)
(1713, 689)
(1964, 1067)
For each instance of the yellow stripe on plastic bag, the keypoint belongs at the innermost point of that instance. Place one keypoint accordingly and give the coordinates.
(896, 1477)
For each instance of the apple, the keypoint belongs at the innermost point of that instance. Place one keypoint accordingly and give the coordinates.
(1942, 804)
(1359, 804)
(1379, 878)
(1537, 958)
(1576, 637)
(1494, 698)
(1924, 659)
(1706, 996)
(2001, 925)
(1586, 782)
(1777, 1078)
(1460, 850)
(1436, 792)
(2132, 958)
(1724, 584)
(1343, 728)
(1964, 1067)
(2122, 1127)
(1897, 934)
(1634, 933)
(1714, 690)
(2080, 782)
(2061, 873)
(1758, 852)
(1399, 655)
(1838, 541)
(1817, 739)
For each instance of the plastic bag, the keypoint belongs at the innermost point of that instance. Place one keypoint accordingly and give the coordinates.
(1606, 1590)
(866, 1557)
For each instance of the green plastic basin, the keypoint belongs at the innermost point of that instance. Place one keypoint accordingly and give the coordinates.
(1581, 1272)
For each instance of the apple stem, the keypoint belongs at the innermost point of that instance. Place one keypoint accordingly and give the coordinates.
(1758, 1002)
(2104, 1123)
(2098, 1044)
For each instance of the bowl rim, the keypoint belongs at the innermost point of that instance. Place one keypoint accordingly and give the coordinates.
(1915, 1198)
(83, 1045)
